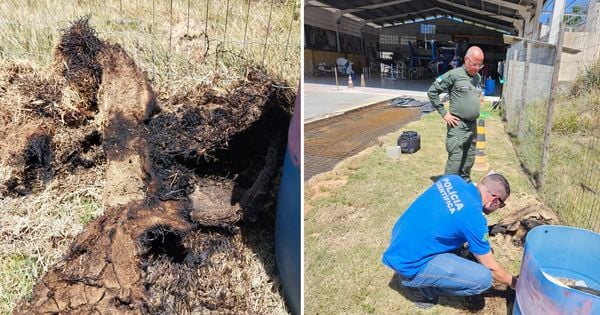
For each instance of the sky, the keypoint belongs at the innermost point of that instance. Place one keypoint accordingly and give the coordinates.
(569, 4)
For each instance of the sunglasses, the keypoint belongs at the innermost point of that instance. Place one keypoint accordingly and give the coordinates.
(478, 65)
(501, 204)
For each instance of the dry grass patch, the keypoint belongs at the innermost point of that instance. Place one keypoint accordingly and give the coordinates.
(38, 229)
(322, 187)
(179, 43)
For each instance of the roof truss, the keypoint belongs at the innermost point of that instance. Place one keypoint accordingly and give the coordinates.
(482, 12)
(375, 6)
(506, 15)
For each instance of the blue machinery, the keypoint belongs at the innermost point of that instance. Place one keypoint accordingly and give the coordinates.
(418, 66)
(437, 64)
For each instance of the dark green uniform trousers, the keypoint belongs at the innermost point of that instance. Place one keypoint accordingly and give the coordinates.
(460, 144)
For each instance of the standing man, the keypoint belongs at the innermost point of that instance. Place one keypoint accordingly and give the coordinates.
(464, 88)
(448, 214)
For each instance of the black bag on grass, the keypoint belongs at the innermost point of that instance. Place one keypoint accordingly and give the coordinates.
(409, 142)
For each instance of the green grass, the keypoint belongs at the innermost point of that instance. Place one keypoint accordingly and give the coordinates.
(18, 273)
(348, 226)
(91, 209)
(588, 80)
(571, 182)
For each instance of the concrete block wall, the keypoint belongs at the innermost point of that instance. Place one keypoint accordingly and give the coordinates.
(541, 68)
(588, 42)
(536, 82)
(573, 65)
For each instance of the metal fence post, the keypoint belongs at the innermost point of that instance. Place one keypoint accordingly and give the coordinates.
(267, 37)
(510, 102)
(521, 124)
(506, 85)
(551, 100)
(152, 30)
(289, 33)
(246, 26)
(187, 32)
(206, 39)
(170, 26)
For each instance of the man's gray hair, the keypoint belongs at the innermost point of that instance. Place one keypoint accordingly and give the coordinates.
(495, 182)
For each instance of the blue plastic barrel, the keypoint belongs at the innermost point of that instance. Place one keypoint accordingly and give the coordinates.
(287, 222)
(287, 234)
(490, 86)
(551, 254)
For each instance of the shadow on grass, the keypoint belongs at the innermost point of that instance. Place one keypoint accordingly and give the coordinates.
(435, 178)
(473, 303)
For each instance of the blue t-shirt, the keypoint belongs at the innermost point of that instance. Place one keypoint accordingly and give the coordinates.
(443, 218)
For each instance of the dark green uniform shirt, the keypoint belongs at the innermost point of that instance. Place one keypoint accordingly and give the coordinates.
(464, 91)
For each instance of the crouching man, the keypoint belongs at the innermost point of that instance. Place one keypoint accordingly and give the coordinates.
(448, 214)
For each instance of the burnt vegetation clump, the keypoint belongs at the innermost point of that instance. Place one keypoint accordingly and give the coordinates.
(37, 168)
(212, 140)
(48, 117)
(161, 241)
(76, 59)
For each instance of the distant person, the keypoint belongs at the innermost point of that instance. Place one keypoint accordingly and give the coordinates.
(448, 214)
(345, 64)
(464, 88)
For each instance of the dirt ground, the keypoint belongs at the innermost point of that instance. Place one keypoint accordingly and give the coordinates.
(189, 182)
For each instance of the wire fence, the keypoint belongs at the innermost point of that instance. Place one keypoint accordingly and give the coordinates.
(552, 109)
(170, 39)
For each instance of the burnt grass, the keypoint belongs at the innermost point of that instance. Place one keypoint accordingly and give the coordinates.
(190, 180)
